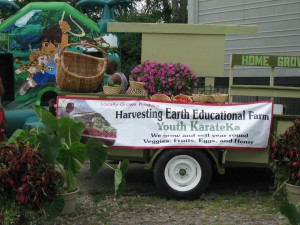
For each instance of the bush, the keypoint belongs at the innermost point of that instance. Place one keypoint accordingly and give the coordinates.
(24, 178)
(285, 155)
(165, 78)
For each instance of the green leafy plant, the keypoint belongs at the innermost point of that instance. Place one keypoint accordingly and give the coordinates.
(112, 84)
(26, 182)
(285, 156)
(12, 213)
(290, 211)
(61, 145)
(285, 164)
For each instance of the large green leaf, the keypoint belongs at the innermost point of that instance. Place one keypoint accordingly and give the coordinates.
(54, 208)
(290, 211)
(120, 178)
(50, 146)
(73, 157)
(97, 154)
(70, 129)
(22, 136)
(18, 135)
(49, 121)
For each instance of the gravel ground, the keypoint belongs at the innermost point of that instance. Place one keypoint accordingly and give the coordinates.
(242, 197)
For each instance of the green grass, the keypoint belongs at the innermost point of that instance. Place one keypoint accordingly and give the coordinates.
(241, 197)
(154, 207)
(243, 203)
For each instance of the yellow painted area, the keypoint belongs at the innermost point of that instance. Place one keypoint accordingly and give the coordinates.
(200, 46)
(204, 54)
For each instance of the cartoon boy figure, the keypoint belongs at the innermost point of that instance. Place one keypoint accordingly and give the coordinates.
(52, 41)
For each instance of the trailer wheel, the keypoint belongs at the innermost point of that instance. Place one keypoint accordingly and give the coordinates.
(182, 173)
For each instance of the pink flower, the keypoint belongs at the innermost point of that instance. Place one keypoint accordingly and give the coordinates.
(168, 78)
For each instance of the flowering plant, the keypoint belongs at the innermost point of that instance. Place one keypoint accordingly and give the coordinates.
(165, 78)
(285, 155)
(24, 178)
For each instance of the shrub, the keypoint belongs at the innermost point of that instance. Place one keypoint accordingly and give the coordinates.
(285, 155)
(166, 78)
(24, 178)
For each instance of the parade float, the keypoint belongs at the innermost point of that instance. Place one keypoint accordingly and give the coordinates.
(162, 121)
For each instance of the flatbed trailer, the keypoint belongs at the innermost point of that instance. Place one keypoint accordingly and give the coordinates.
(184, 171)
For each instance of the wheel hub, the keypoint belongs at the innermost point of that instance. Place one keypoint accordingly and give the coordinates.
(182, 172)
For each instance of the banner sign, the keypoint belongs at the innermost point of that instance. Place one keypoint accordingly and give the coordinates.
(139, 123)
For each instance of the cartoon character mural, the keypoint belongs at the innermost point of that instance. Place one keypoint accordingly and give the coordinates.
(43, 61)
(35, 36)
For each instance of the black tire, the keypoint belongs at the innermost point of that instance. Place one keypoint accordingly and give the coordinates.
(183, 173)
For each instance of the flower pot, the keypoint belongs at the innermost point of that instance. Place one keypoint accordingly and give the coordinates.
(293, 194)
(1, 218)
(70, 199)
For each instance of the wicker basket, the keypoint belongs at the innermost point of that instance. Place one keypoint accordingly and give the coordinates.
(137, 84)
(136, 91)
(201, 98)
(219, 98)
(79, 72)
(182, 98)
(110, 90)
(161, 97)
(136, 88)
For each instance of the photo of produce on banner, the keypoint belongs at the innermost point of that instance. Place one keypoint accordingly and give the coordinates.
(97, 126)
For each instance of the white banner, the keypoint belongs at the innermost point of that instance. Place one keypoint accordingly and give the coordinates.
(139, 123)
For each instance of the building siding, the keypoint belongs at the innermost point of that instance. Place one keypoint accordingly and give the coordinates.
(278, 24)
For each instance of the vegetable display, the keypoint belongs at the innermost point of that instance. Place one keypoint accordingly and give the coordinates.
(182, 98)
(96, 125)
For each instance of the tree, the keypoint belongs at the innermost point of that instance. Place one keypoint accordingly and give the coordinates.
(131, 42)
(148, 11)
(179, 11)
(169, 11)
(7, 7)
(108, 11)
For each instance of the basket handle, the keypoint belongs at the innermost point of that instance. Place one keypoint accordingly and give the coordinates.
(62, 51)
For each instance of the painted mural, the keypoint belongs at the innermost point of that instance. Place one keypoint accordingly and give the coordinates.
(35, 36)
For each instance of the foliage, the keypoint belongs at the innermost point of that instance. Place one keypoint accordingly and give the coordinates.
(131, 42)
(130, 51)
(290, 211)
(285, 153)
(284, 156)
(12, 213)
(111, 83)
(24, 177)
(167, 11)
(120, 178)
(167, 78)
(60, 144)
